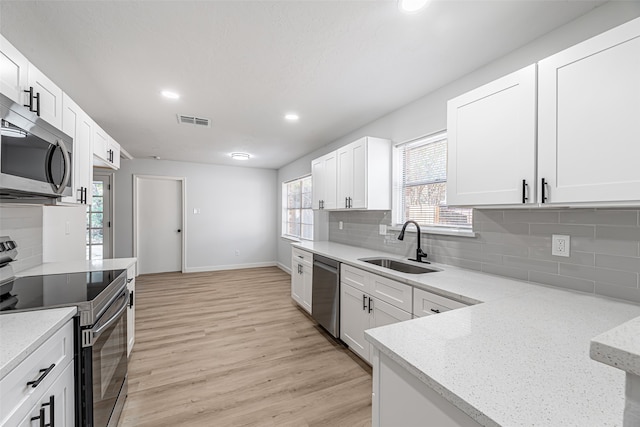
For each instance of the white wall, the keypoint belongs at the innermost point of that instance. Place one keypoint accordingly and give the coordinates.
(64, 233)
(428, 114)
(237, 212)
(24, 225)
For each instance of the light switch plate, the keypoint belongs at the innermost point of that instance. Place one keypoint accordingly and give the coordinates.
(561, 245)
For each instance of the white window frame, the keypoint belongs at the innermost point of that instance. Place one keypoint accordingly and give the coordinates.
(285, 208)
(398, 192)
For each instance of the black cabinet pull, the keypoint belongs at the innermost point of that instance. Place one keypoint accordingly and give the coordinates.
(30, 104)
(370, 305)
(131, 299)
(52, 415)
(364, 302)
(435, 310)
(130, 280)
(40, 417)
(37, 98)
(346, 202)
(44, 373)
(85, 195)
(544, 190)
(525, 186)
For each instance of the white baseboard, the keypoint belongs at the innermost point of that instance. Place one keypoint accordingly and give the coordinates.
(284, 268)
(229, 267)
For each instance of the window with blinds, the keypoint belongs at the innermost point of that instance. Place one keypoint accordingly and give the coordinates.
(421, 190)
(297, 214)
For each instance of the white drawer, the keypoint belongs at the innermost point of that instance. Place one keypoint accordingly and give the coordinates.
(301, 256)
(425, 303)
(355, 277)
(395, 293)
(17, 395)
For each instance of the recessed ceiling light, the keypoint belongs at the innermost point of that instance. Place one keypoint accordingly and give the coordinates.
(412, 6)
(240, 156)
(169, 94)
(292, 117)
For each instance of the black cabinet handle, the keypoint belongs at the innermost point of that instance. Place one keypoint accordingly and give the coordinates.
(52, 415)
(30, 104)
(37, 98)
(131, 299)
(85, 195)
(40, 417)
(44, 373)
(346, 202)
(544, 190)
(435, 310)
(364, 302)
(370, 305)
(130, 280)
(525, 187)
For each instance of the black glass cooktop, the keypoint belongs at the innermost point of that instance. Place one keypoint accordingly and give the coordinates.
(24, 293)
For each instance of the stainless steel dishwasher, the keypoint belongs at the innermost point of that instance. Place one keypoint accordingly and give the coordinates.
(325, 295)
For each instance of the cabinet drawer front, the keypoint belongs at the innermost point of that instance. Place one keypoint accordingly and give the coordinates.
(395, 293)
(425, 303)
(17, 396)
(354, 277)
(301, 256)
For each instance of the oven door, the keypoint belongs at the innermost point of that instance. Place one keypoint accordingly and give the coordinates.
(109, 364)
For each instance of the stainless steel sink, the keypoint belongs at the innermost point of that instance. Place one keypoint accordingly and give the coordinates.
(394, 264)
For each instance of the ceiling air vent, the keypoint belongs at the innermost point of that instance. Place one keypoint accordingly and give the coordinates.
(194, 121)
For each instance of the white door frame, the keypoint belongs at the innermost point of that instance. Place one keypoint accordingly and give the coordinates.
(136, 227)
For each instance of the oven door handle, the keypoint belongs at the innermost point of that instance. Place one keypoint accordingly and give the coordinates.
(114, 318)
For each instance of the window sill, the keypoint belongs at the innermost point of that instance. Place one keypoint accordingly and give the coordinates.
(294, 239)
(437, 231)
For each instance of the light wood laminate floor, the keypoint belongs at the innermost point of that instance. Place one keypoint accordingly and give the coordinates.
(230, 348)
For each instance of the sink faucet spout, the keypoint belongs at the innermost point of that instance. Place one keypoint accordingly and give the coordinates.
(420, 254)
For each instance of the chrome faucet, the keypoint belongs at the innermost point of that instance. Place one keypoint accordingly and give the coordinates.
(419, 252)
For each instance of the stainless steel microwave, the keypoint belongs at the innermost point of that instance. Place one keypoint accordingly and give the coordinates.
(35, 157)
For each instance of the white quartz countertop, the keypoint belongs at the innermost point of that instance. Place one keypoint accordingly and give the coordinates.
(22, 333)
(619, 347)
(520, 358)
(78, 266)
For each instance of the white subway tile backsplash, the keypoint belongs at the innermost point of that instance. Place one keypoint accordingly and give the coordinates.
(24, 225)
(605, 246)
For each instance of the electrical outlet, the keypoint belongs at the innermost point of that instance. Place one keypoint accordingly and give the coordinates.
(237, 252)
(560, 245)
(67, 228)
(340, 225)
(382, 230)
(196, 211)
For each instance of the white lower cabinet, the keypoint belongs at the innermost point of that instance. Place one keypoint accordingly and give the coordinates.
(400, 399)
(301, 278)
(426, 303)
(56, 407)
(42, 385)
(131, 309)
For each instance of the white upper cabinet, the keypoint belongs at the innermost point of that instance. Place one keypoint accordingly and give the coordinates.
(324, 177)
(588, 120)
(13, 71)
(77, 124)
(106, 151)
(364, 175)
(492, 142)
(45, 97)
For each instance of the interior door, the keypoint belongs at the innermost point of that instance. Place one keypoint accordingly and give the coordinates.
(159, 224)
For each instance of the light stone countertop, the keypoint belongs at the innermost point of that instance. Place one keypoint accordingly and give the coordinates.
(78, 266)
(22, 333)
(619, 347)
(521, 358)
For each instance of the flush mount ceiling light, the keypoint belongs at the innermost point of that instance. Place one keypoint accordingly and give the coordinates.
(169, 94)
(412, 6)
(12, 131)
(292, 117)
(240, 156)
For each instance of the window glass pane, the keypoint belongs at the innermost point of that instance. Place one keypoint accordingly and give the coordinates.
(98, 189)
(426, 162)
(306, 200)
(293, 215)
(97, 204)
(293, 229)
(297, 210)
(307, 216)
(96, 235)
(87, 255)
(96, 220)
(306, 185)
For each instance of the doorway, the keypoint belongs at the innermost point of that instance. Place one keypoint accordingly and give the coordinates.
(159, 233)
(99, 213)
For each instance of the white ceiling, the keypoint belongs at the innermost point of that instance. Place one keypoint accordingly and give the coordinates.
(244, 64)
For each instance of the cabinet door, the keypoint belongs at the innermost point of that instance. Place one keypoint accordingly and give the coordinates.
(492, 142)
(354, 319)
(307, 276)
(426, 303)
(359, 174)
(131, 310)
(330, 186)
(383, 314)
(13, 71)
(318, 180)
(344, 176)
(297, 281)
(589, 105)
(77, 124)
(57, 405)
(50, 97)
(100, 143)
(115, 153)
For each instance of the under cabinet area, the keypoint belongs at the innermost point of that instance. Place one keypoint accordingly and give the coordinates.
(41, 388)
(301, 278)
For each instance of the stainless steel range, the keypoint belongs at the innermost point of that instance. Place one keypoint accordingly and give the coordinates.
(101, 331)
